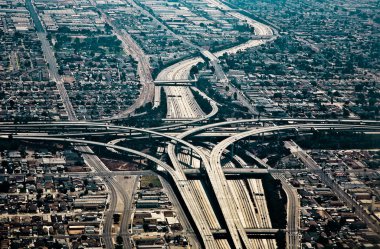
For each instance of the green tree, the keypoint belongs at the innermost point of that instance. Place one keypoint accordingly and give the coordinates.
(235, 96)
(119, 240)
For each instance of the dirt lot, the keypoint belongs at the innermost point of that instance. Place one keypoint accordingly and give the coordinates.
(150, 182)
(114, 164)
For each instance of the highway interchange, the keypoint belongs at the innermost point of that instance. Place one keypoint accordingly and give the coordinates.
(237, 210)
(212, 164)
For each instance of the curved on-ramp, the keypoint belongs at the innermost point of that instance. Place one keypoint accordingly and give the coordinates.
(216, 155)
(215, 172)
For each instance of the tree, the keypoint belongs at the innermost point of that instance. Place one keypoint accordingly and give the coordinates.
(280, 239)
(332, 226)
(372, 101)
(12, 103)
(361, 98)
(359, 88)
(194, 70)
(4, 187)
(107, 27)
(119, 240)
(235, 95)
(277, 95)
(346, 112)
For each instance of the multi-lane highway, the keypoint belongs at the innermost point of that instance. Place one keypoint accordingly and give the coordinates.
(293, 206)
(178, 176)
(215, 174)
(231, 196)
(216, 155)
(181, 70)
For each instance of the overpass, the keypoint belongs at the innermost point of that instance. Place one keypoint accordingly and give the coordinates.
(262, 37)
(242, 172)
(175, 82)
(256, 232)
(216, 154)
(212, 168)
(239, 172)
(217, 178)
(292, 237)
(237, 125)
(207, 235)
(177, 176)
(188, 172)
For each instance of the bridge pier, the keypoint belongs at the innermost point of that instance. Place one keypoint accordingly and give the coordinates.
(252, 233)
(191, 156)
(261, 135)
(164, 146)
(278, 134)
(232, 151)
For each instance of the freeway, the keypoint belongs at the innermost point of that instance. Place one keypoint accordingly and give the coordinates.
(238, 124)
(125, 136)
(214, 111)
(248, 196)
(223, 196)
(182, 216)
(180, 71)
(293, 212)
(189, 108)
(178, 177)
(181, 178)
(255, 121)
(233, 223)
(185, 105)
(293, 203)
(180, 174)
(168, 73)
(236, 230)
(177, 71)
(83, 125)
(216, 154)
(245, 172)
(260, 29)
(245, 206)
(39, 126)
(181, 103)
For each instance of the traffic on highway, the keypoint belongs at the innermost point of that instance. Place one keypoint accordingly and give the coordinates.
(208, 165)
